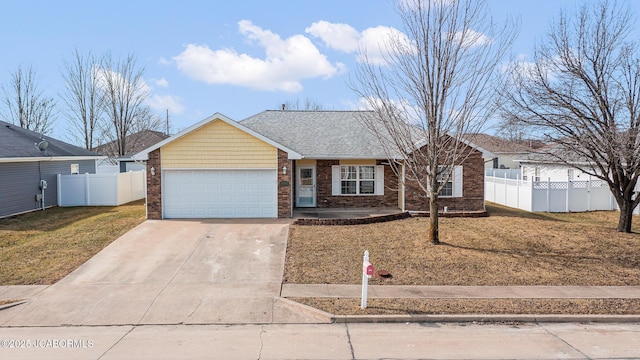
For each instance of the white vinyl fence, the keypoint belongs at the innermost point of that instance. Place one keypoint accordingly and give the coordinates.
(550, 196)
(101, 189)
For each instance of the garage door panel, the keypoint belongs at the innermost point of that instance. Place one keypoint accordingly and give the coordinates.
(219, 193)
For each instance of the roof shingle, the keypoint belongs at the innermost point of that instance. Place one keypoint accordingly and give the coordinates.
(16, 142)
(319, 134)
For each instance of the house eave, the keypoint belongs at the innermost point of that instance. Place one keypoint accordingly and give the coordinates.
(144, 155)
(349, 157)
(50, 158)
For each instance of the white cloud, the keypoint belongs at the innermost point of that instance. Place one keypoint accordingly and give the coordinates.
(285, 64)
(472, 38)
(163, 83)
(165, 102)
(163, 61)
(342, 37)
(372, 41)
(375, 42)
(105, 76)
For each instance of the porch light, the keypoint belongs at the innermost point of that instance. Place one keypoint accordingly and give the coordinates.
(284, 170)
(153, 171)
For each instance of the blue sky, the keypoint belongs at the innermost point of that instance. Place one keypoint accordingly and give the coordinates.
(232, 57)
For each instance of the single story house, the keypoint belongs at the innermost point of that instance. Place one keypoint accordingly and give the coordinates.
(275, 161)
(507, 152)
(135, 143)
(29, 165)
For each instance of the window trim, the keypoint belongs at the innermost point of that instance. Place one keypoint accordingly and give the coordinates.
(378, 180)
(456, 180)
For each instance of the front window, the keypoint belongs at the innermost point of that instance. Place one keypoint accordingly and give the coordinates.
(444, 173)
(357, 180)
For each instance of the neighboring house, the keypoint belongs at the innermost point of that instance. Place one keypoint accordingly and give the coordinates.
(28, 158)
(506, 151)
(275, 161)
(544, 167)
(135, 143)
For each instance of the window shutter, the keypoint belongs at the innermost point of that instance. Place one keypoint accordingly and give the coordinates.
(335, 180)
(457, 181)
(379, 179)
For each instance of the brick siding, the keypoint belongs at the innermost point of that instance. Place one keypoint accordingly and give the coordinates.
(472, 189)
(326, 200)
(285, 192)
(154, 186)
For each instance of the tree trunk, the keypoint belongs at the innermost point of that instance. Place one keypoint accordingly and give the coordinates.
(626, 216)
(434, 237)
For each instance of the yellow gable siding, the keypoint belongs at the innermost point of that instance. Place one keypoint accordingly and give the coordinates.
(219, 145)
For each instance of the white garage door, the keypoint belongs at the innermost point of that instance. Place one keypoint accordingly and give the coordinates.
(220, 194)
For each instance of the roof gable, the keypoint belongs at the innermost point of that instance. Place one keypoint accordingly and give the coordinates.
(19, 143)
(143, 155)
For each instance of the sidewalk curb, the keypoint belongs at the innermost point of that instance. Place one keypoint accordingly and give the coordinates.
(322, 316)
(480, 318)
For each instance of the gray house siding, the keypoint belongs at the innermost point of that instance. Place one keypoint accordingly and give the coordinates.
(20, 183)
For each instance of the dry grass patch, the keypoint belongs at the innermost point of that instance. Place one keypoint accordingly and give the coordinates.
(42, 247)
(510, 247)
(475, 306)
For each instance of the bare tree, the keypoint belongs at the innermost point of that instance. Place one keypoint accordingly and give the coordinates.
(308, 104)
(123, 92)
(583, 92)
(434, 86)
(26, 104)
(82, 98)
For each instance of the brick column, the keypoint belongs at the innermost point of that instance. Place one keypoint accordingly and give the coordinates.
(284, 186)
(154, 186)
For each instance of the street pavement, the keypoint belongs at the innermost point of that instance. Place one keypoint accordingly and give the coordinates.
(212, 290)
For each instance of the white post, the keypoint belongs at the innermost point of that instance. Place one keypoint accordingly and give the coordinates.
(365, 280)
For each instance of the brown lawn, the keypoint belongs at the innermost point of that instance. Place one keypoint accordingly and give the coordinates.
(43, 246)
(510, 247)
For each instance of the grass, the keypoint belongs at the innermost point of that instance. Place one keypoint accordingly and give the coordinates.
(42, 247)
(510, 247)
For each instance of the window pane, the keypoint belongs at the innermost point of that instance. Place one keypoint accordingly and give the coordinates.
(447, 190)
(443, 173)
(348, 187)
(367, 187)
(348, 172)
(367, 172)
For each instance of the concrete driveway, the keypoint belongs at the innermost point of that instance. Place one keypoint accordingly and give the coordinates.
(173, 272)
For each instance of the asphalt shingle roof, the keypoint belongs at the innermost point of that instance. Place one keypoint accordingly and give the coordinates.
(16, 142)
(319, 134)
(498, 145)
(135, 142)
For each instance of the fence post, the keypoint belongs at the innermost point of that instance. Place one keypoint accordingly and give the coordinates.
(87, 190)
(518, 191)
(504, 185)
(589, 194)
(568, 195)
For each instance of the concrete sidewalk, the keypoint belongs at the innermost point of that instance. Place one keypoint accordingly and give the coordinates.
(461, 292)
